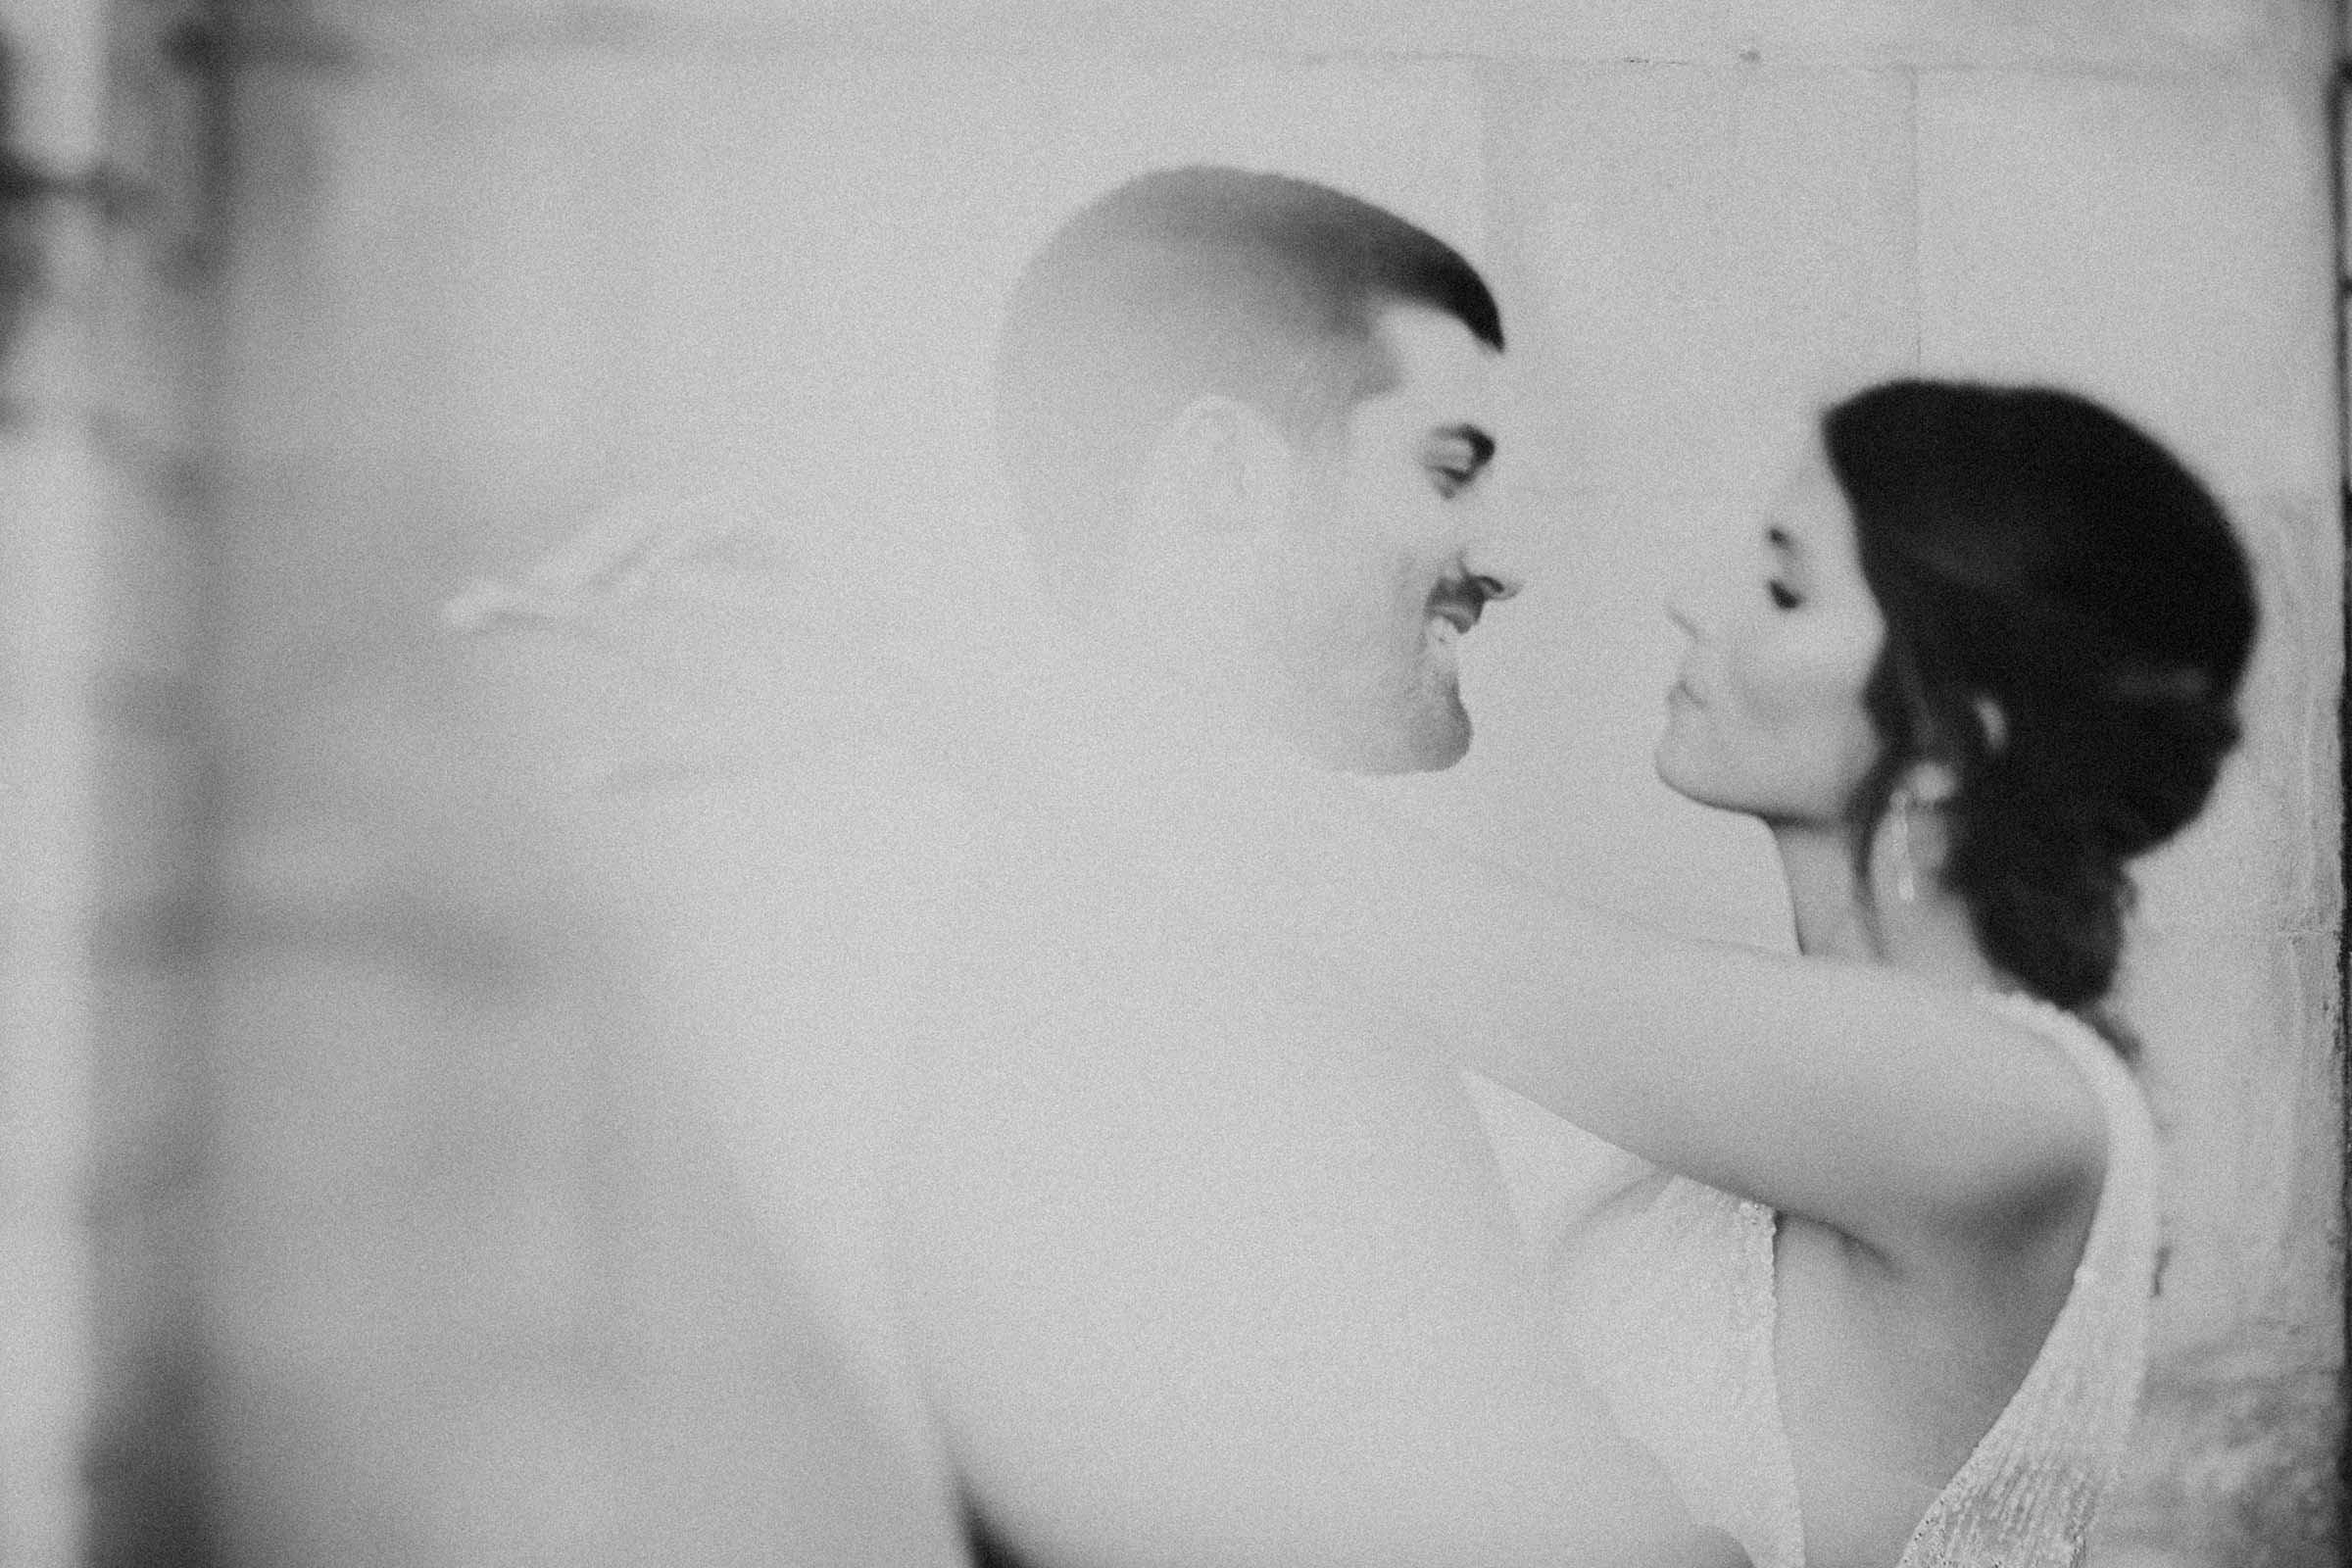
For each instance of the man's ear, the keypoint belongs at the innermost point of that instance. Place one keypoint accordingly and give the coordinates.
(1221, 464)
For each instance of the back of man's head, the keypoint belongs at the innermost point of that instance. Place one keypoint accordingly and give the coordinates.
(1192, 282)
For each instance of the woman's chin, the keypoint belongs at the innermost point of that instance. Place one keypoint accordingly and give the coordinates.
(1671, 769)
(1680, 774)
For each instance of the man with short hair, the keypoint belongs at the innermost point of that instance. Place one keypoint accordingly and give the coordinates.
(1206, 365)
(1204, 1259)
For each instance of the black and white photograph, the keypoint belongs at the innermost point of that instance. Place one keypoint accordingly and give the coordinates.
(1199, 784)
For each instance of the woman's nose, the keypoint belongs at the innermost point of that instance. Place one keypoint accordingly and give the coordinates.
(1700, 603)
(1682, 607)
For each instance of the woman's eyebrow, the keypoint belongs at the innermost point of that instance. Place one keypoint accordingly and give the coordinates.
(1782, 540)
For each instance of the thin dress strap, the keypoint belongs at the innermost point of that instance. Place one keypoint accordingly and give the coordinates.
(2026, 1496)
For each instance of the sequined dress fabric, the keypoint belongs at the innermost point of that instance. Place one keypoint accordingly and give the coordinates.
(1668, 1289)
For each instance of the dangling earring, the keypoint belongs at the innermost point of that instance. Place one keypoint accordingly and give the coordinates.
(1906, 880)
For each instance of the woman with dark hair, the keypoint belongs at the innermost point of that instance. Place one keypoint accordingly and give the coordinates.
(1879, 1293)
(1875, 1287)
(2067, 618)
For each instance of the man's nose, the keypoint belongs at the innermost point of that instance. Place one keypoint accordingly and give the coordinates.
(1494, 577)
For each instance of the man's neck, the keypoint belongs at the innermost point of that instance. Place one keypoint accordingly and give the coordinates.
(1124, 686)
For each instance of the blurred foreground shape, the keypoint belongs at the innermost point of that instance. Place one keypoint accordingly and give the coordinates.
(358, 1205)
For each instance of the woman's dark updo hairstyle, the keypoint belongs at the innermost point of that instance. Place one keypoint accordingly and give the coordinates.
(2068, 617)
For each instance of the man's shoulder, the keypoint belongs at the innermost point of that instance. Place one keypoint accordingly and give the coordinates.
(1143, 948)
(1152, 1038)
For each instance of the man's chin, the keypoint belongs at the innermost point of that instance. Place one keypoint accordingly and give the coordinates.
(1445, 750)
(1430, 745)
(1421, 730)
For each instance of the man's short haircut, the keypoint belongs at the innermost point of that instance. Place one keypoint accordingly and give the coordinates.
(1189, 282)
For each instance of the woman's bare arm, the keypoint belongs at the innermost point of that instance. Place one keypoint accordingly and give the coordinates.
(1869, 1101)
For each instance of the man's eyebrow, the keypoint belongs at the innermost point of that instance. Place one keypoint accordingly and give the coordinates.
(1782, 540)
(1481, 444)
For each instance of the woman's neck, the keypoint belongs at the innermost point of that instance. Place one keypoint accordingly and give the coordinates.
(1839, 915)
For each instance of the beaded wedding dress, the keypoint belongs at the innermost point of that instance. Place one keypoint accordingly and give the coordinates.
(1669, 1286)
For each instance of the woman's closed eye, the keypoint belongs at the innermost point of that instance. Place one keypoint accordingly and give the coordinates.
(1782, 565)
